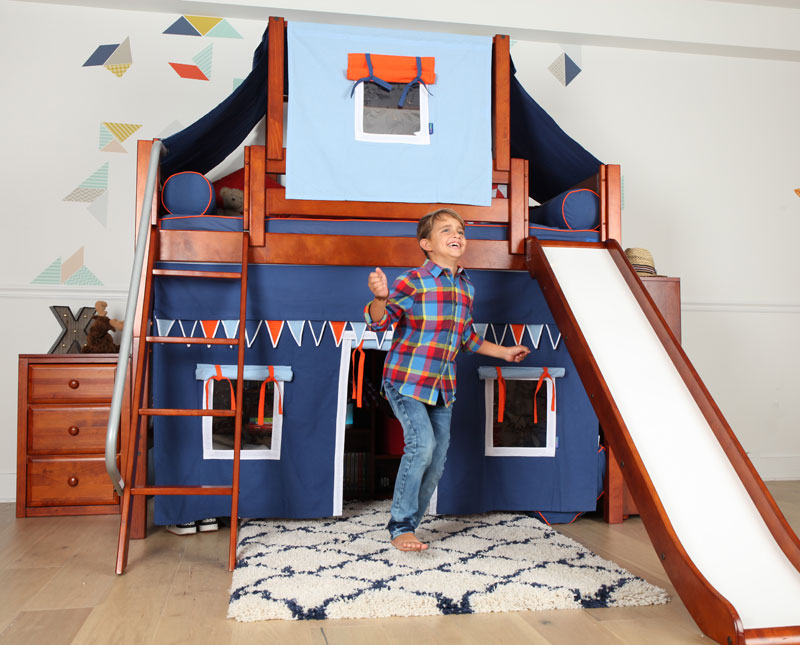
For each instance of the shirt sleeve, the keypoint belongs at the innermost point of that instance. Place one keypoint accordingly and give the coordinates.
(401, 299)
(470, 340)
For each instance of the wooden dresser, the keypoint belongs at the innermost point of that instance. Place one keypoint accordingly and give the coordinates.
(63, 406)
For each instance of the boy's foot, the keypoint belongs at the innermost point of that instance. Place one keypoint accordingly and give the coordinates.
(408, 542)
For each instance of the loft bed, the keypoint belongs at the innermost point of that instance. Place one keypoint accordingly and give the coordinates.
(302, 260)
(305, 260)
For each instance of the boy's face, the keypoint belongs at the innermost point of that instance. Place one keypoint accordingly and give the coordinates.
(446, 243)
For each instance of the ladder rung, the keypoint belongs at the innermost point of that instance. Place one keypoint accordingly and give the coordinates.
(174, 412)
(193, 340)
(182, 490)
(179, 273)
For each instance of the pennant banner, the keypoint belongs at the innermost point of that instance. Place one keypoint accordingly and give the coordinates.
(555, 342)
(337, 327)
(274, 327)
(296, 328)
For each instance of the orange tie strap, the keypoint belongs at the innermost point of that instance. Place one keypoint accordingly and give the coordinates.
(545, 375)
(218, 377)
(358, 383)
(501, 395)
(270, 379)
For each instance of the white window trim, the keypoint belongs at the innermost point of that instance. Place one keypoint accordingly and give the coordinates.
(548, 450)
(274, 452)
(421, 138)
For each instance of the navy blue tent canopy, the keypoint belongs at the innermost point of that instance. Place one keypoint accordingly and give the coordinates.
(557, 162)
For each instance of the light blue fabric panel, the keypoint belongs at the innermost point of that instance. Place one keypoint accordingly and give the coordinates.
(488, 372)
(205, 371)
(323, 158)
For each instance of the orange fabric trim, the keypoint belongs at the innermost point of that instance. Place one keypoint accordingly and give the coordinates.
(262, 392)
(210, 188)
(501, 395)
(218, 377)
(358, 382)
(545, 375)
(392, 69)
(564, 201)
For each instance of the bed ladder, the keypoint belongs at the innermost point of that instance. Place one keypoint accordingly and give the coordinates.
(141, 398)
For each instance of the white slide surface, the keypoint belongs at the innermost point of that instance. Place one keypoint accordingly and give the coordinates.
(707, 504)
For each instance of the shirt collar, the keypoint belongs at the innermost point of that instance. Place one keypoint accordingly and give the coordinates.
(435, 270)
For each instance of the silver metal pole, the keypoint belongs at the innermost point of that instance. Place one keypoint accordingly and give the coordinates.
(112, 430)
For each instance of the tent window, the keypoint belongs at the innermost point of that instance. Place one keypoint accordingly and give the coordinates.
(520, 432)
(261, 437)
(378, 119)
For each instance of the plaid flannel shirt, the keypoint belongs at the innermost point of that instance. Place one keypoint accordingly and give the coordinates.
(432, 313)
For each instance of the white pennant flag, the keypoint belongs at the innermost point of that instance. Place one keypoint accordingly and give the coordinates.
(183, 330)
(555, 342)
(317, 336)
(535, 332)
(494, 327)
(249, 340)
(296, 328)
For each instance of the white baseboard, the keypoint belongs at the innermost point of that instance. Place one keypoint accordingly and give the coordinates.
(777, 467)
(8, 487)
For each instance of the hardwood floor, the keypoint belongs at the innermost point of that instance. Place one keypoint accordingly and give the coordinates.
(58, 586)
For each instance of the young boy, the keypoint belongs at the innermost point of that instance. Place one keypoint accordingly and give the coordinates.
(432, 308)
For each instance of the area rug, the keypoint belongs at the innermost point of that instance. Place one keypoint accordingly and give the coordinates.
(344, 567)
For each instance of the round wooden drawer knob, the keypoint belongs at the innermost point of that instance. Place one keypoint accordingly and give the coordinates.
(74, 384)
(74, 430)
(73, 481)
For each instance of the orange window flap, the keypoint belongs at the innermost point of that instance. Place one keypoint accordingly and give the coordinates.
(392, 69)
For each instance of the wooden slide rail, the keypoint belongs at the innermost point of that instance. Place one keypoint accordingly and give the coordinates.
(715, 616)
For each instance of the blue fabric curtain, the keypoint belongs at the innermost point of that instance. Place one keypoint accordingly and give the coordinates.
(205, 143)
(556, 161)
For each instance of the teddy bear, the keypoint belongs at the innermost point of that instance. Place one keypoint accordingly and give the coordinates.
(232, 201)
(98, 338)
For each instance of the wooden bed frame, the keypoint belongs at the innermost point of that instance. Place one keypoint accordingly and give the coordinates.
(263, 201)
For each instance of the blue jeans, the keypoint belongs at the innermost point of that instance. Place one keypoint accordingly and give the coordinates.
(426, 430)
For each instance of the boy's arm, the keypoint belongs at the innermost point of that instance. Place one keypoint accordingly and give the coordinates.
(511, 354)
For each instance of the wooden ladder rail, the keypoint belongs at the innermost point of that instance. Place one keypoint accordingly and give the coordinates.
(141, 398)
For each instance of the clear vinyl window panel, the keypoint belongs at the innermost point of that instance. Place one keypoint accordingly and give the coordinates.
(379, 120)
(518, 434)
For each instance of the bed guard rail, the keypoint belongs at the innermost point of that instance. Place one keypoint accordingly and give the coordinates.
(112, 429)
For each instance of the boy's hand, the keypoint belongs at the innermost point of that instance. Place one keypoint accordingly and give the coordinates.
(378, 284)
(516, 354)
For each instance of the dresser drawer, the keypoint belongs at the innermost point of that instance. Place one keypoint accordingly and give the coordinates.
(71, 382)
(65, 481)
(67, 429)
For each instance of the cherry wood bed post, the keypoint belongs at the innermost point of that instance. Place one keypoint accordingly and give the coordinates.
(254, 193)
(610, 202)
(518, 206)
(275, 84)
(501, 104)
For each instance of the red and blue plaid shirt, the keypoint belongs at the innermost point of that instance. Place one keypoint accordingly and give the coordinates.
(432, 313)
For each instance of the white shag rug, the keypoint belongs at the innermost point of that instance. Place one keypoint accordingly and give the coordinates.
(344, 567)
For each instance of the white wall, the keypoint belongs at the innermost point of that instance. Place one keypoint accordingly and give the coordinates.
(707, 144)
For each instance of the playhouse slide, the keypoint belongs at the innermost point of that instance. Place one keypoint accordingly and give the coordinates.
(723, 541)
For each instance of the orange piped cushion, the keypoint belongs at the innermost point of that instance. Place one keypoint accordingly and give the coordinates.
(392, 69)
